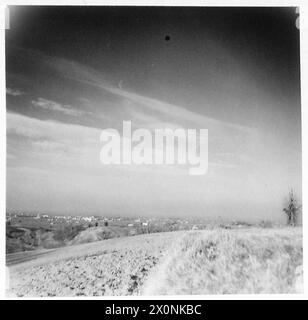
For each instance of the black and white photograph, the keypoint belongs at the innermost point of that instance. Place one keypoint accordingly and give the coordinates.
(153, 151)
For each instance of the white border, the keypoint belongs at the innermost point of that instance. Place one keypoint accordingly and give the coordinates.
(304, 93)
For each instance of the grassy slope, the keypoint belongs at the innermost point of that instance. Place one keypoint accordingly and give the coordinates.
(195, 262)
(99, 233)
(231, 261)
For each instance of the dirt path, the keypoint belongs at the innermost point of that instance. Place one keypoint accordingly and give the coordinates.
(19, 257)
(111, 267)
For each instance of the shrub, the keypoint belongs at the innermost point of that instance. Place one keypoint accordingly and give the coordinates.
(67, 232)
(266, 224)
(292, 209)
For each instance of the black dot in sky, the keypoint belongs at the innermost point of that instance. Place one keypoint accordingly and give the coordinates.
(167, 38)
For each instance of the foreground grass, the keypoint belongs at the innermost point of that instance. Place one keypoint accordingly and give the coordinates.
(217, 261)
(230, 262)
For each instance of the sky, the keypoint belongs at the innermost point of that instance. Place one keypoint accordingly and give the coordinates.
(72, 72)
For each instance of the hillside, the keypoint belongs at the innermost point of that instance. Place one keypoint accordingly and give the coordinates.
(229, 262)
(196, 262)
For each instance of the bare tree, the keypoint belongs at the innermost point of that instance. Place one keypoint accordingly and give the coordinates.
(292, 209)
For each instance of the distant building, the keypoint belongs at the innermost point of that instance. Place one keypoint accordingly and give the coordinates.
(89, 219)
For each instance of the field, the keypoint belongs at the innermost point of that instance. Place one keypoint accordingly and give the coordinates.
(30, 232)
(219, 261)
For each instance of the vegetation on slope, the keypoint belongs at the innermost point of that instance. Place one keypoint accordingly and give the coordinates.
(231, 261)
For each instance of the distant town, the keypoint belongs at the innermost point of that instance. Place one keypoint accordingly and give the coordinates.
(41, 220)
(30, 231)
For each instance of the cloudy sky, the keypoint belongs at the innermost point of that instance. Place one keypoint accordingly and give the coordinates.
(71, 72)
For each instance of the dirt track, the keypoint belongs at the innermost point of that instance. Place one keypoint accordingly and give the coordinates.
(19, 257)
(251, 260)
(114, 267)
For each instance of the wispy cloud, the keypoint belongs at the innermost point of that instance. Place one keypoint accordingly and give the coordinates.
(91, 77)
(172, 111)
(14, 92)
(68, 145)
(144, 111)
(38, 130)
(52, 142)
(54, 106)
